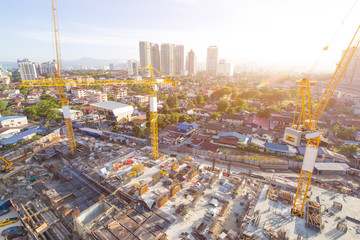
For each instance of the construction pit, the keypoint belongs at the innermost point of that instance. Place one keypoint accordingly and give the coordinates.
(113, 191)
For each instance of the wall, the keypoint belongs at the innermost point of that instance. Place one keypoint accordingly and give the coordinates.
(33, 147)
(231, 158)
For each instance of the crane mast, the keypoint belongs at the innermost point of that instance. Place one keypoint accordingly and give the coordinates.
(58, 79)
(310, 122)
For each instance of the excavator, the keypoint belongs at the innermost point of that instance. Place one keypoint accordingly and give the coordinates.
(7, 165)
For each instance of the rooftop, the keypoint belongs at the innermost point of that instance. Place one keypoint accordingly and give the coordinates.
(11, 117)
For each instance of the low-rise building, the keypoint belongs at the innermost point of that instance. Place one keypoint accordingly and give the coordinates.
(258, 122)
(13, 121)
(235, 119)
(114, 111)
(285, 150)
(78, 92)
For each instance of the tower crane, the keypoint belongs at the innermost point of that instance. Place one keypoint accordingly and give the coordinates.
(152, 88)
(308, 120)
(60, 82)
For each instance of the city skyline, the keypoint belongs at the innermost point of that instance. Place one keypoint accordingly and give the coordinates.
(276, 33)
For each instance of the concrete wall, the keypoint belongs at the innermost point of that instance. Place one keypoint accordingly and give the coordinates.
(33, 147)
(232, 158)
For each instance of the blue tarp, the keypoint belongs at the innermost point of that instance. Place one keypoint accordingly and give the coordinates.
(21, 136)
(276, 147)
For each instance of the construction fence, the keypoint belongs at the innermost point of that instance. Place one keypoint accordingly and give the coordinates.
(236, 159)
(33, 147)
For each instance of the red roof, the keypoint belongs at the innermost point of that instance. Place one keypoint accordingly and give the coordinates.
(258, 121)
(209, 146)
(201, 137)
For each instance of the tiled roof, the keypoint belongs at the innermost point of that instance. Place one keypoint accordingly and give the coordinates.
(232, 117)
(258, 121)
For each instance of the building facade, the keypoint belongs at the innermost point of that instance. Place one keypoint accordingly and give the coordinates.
(132, 67)
(145, 57)
(114, 111)
(167, 58)
(179, 59)
(155, 57)
(212, 60)
(191, 63)
(13, 121)
(27, 69)
(225, 68)
(48, 68)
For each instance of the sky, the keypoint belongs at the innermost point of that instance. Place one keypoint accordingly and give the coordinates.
(279, 33)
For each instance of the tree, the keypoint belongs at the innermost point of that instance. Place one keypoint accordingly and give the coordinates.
(251, 94)
(239, 104)
(264, 113)
(174, 117)
(223, 105)
(132, 104)
(172, 101)
(4, 87)
(348, 150)
(165, 109)
(31, 112)
(214, 115)
(116, 128)
(2, 106)
(191, 104)
(184, 118)
(221, 93)
(343, 132)
(200, 99)
(138, 131)
(49, 98)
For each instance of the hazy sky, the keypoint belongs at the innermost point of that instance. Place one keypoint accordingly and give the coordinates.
(269, 32)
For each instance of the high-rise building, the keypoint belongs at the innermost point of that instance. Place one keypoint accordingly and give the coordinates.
(111, 66)
(167, 58)
(27, 69)
(179, 59)
(4, 75)
(191, 63)
(48, 67)
(132, 67)
(351, 77)
(212, 60)
(145, 57)
(225, 68)
(155, 56)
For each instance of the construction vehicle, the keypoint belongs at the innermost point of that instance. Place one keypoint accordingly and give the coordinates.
(163, 172)
(137, 170)
(60, 82)
(308, 120)
(7, 165)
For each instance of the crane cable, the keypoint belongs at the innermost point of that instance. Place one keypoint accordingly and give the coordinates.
(316, 62)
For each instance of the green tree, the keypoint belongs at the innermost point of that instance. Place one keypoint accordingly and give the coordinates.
(116, 128)
(223, 105)
(172, 101)
(264, 113)
(200, 99)
(165, 109)
(191, 104)
(348, 150)
(214, 115)
(31, 112)
(184, 118)
(4, 87)
(2, 106)
(50, 98)
(132, 104)
(343, 132)
(174, 117)
(138, 131)
(251, 94)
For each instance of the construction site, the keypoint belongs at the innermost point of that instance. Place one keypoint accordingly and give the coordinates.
(116, 191)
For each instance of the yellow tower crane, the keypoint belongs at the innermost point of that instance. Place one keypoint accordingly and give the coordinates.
(151, 84)
(58, 79)
(60, 82)
(308, 120)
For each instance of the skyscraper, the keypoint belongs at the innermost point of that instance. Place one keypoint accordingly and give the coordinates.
(155, 56)
(48, 67)
(145, 57)
(132, 67)
(27, 69)
(179, 59)
(191, 63)
(167, 58)
(212, 60)
(225, 68)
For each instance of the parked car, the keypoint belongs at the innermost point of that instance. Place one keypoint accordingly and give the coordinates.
(8, 221)
(13, 232)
